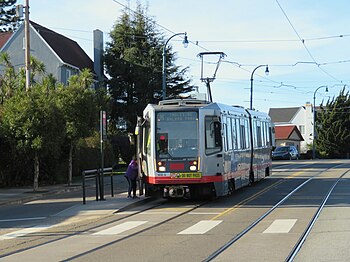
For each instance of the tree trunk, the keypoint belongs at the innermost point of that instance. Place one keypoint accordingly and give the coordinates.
(70, 165)
(36, 172)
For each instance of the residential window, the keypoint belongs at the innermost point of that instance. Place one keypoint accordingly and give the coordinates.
(302, 129)
(68, 74)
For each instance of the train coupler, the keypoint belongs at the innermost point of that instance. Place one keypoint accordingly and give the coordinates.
(176, 192)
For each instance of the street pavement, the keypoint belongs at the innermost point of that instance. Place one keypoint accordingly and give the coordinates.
(11, 196)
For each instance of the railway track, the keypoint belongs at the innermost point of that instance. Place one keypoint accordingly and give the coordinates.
(303, 237)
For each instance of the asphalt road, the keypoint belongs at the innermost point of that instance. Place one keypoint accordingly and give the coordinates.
(193, 230)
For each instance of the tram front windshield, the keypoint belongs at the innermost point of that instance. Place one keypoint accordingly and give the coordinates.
(177, 135)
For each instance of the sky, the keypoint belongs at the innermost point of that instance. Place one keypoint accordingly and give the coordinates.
(306, 44)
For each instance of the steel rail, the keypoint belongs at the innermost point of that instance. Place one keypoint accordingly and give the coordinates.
(307, 231)
(251, 226)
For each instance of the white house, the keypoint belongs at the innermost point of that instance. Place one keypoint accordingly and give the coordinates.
(301, 117)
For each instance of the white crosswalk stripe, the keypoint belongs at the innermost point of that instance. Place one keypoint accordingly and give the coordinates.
(24, 232)
(118, 229)
(201, 227)
(280, 226)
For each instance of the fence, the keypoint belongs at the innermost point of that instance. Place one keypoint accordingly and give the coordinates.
(98, 176)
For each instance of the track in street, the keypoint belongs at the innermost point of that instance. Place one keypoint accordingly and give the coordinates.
(129, 220)
(302, 239)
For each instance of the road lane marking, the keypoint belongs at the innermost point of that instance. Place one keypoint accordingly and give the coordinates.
(120, 228)
(280, 226)
(22, 219)
(25, 231)
(200, 228)
(256, 195)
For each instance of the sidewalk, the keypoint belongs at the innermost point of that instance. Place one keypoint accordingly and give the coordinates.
(10, 196)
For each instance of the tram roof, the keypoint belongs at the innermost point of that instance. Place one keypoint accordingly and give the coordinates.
(179, 104)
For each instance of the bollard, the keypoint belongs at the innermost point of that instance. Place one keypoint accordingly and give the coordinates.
(112, 193)
(84, 196)
(97, 185)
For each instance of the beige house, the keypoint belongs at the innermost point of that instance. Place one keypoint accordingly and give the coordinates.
(288, 135)
(300, 117)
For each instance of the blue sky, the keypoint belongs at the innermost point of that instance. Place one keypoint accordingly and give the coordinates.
(305, 43)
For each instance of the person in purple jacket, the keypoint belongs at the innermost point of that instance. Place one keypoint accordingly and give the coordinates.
(131, 176)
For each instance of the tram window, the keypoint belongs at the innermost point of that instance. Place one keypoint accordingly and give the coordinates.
(147, 140)
(242, 131)
(247, 137)
(267, 134)
(228, 134)
(258, 133)
(238, 135)
(213, 140)
(234, 134)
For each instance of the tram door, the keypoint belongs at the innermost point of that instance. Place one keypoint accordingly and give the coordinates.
(213, 164)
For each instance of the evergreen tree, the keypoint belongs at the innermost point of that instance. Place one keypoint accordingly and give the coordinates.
(78, 104)
(133, 61)
(333, 127)
(8, 19)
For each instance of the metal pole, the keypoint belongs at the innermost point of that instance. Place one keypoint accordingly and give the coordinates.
(164, 65)
(314, 129)
(97, 179)
(314, 124)
(27, 40)
(251, 86)
(112, 193)
(84, 195)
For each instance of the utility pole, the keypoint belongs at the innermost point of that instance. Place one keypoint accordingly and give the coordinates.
(27, 39)
(19, 13)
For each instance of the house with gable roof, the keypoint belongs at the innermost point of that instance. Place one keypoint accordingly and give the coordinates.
(291, 123)
(62, 56)
(288, 135)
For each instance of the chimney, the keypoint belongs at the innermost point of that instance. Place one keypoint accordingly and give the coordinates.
(98, 54)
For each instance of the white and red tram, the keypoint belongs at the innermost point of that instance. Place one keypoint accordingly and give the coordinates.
(191, 147)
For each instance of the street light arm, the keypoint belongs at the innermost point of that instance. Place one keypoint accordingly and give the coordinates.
(251, 77)
(167, 41)
(251, 84)
(317, 90)
(164, 63)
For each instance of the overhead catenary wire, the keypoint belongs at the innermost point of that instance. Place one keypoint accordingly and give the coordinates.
(303, 43)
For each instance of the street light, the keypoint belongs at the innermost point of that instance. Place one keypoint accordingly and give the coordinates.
(185, 43)
(251, 83)
(314, 122)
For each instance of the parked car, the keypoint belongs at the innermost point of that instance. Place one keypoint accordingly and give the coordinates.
(285, 152)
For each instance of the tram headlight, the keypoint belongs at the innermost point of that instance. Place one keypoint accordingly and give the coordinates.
(193, 165)
(161, 166)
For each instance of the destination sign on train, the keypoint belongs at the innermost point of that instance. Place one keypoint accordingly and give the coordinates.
(177, 116)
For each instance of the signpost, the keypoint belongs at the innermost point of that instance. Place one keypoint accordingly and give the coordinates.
(103, 137)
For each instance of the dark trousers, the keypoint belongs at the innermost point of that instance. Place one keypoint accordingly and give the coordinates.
(132, 186)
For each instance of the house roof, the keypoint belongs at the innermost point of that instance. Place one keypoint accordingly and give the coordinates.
(4, 37)
(283, 115)
(290, 132)
(68, 50)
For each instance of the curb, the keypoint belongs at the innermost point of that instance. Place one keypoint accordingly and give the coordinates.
(39, 195)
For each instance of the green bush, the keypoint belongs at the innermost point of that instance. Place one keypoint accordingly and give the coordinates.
(88, 154)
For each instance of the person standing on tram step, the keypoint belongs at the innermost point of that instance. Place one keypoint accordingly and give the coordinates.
(131, 176)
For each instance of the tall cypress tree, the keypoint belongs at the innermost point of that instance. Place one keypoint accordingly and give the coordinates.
(333, 127)
(8, 19)
(133, 60)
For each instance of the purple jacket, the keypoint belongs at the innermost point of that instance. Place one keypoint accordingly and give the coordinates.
(131, 172)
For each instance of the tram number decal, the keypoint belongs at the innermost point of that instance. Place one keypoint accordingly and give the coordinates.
(185, 175)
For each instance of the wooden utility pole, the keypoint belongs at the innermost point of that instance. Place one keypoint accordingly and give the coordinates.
(27, 40)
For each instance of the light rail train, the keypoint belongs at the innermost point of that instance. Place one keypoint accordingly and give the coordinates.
(189, 147)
